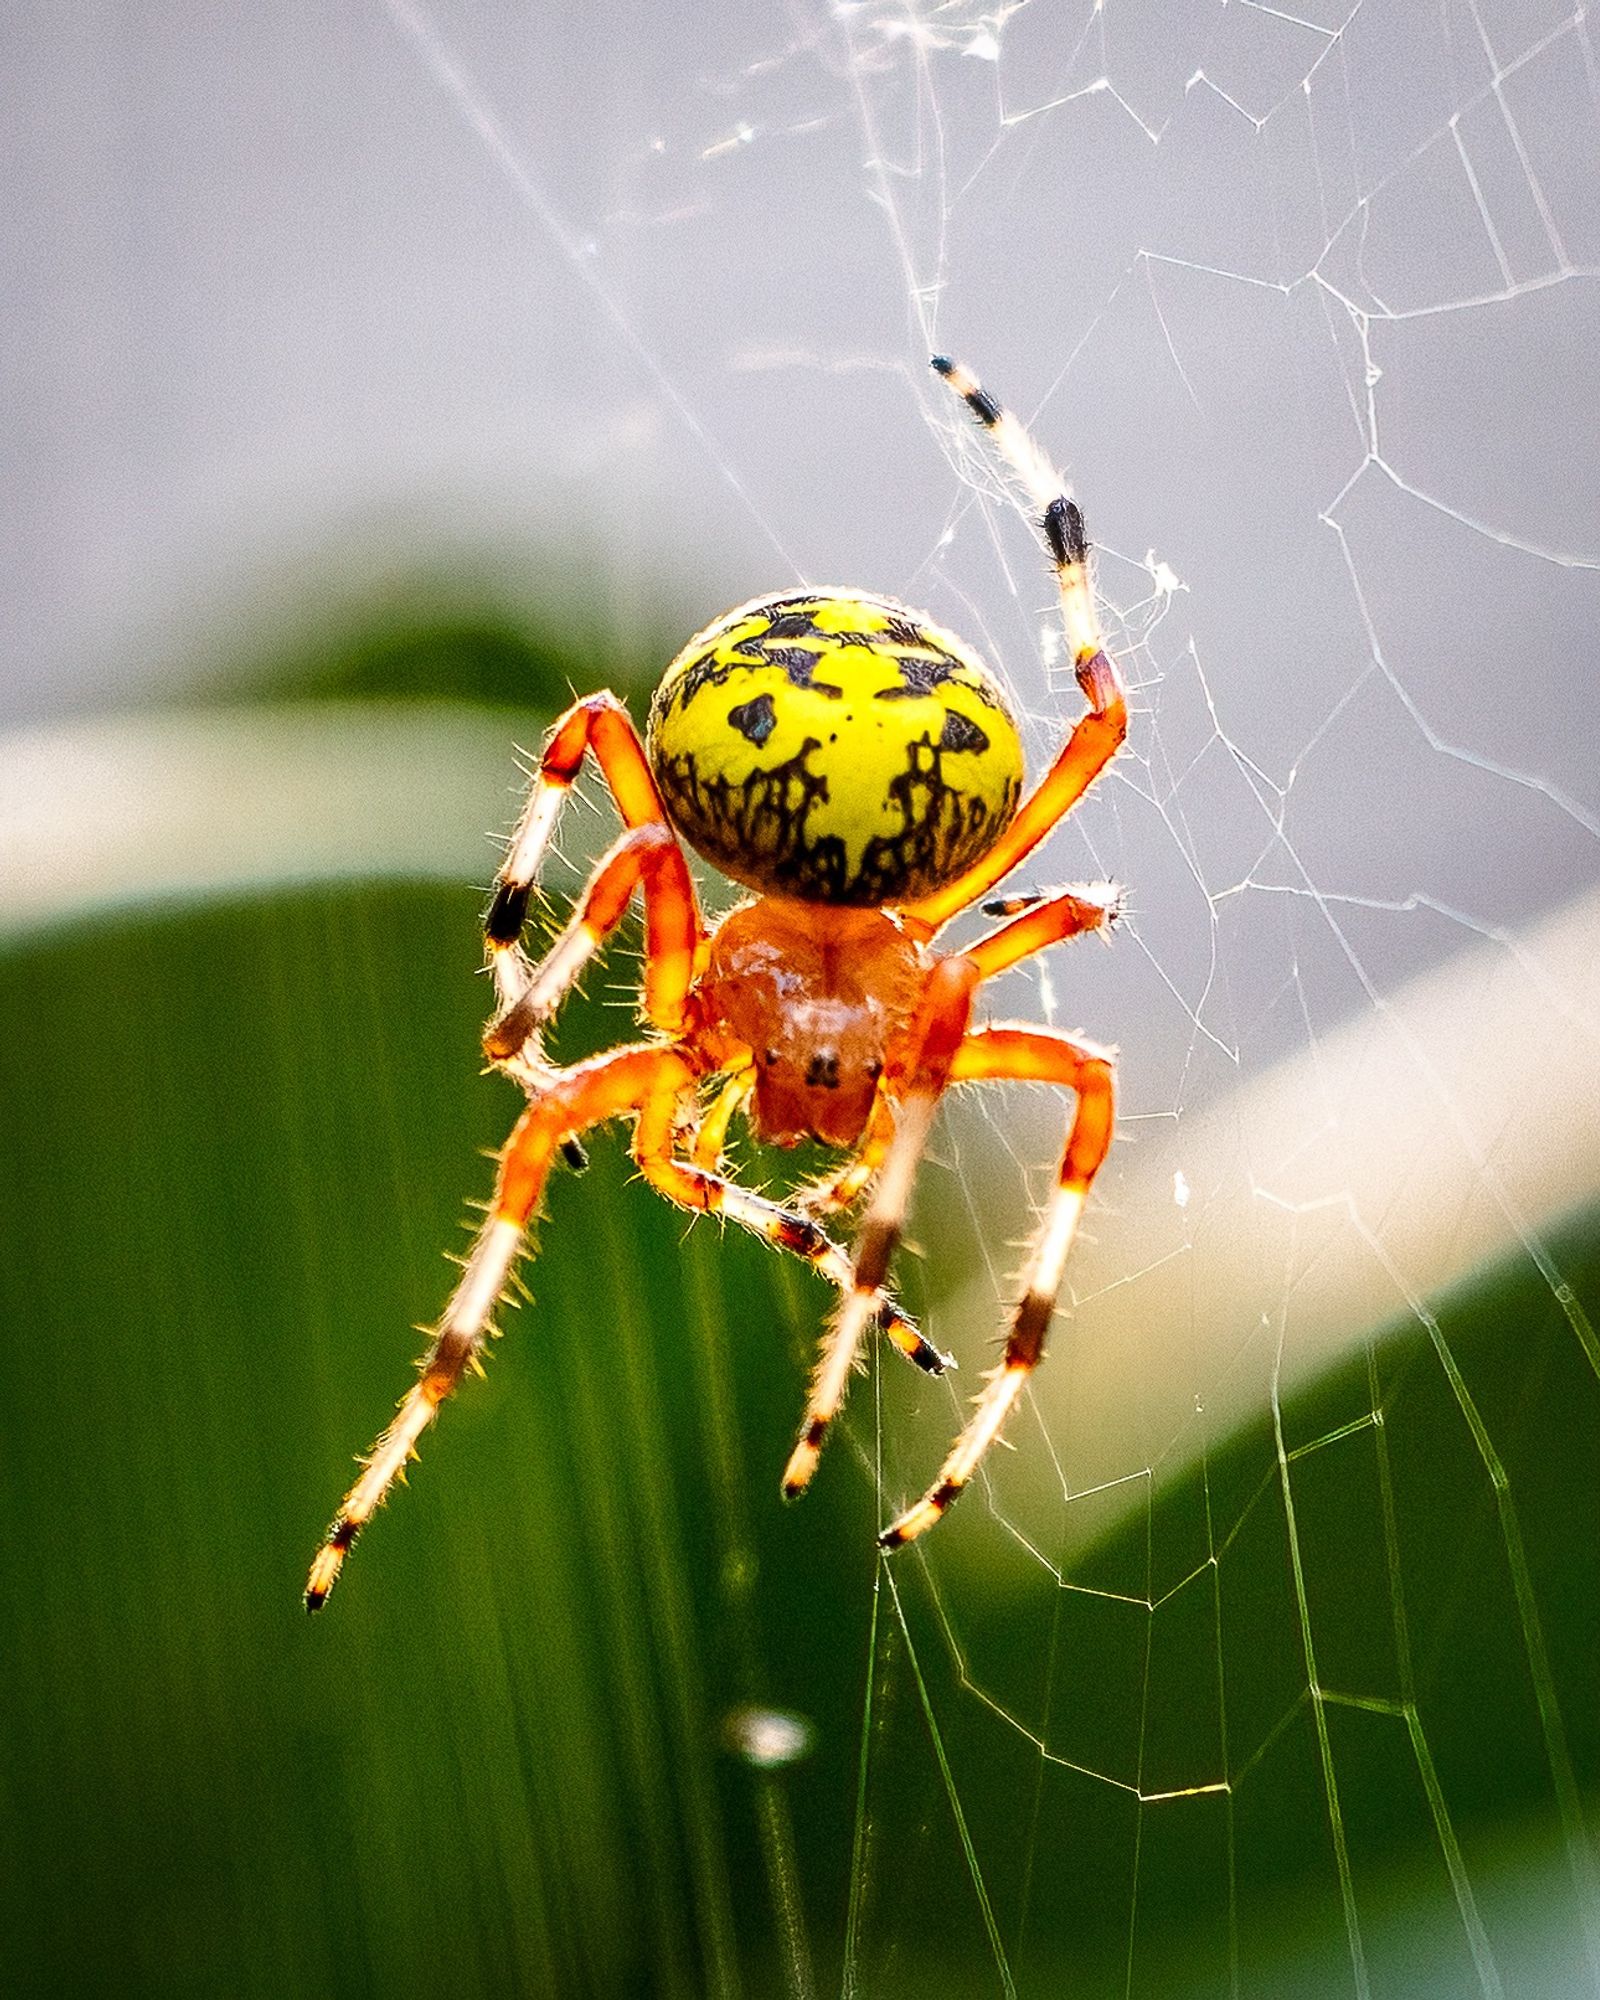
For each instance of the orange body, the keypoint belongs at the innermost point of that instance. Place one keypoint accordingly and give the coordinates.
(822, 998)
(859, 768)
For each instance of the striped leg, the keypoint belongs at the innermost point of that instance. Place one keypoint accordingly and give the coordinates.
(697, 1186)
(935, 1037)
(1038, 921)
(578, 1097)
(600, 723)
(1099, 734)
(647, 854)
(1030, 1055)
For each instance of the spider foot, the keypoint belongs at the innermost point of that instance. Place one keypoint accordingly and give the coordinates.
(803, 1459)
(1102, 904)
(919, 1519)
(330, 1560)
(912, 1342)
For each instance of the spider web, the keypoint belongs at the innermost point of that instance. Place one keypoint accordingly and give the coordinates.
(1302, 300)
(1301, 229)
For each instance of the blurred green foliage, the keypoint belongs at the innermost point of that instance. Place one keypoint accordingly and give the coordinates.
(238, 1139)
(447, 655)
(442, 637)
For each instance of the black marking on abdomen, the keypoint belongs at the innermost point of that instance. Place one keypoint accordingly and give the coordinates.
(904, 631)
(757, 830)
(760, 830)
(755, 719)
(960, 732)
(800, 663)
(707, 671)
(918, 677)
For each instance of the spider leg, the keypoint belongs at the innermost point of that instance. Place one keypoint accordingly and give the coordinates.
(697, 1187)
(1098, 735)
(935, 1037)
(846, 1187)
(1034, 1055)
(622, 1080)
(647, 854)
(711, 1136)
(1066, 914)
(599, 723)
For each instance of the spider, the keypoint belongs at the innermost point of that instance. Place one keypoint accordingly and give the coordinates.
(858, 768)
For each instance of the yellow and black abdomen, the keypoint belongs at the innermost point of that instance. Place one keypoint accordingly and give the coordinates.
(835, 748)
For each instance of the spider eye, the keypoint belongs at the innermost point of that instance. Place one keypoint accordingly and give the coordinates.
(874, 1071)
(769, 1057)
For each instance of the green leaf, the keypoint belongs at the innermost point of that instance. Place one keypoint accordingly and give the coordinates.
(239, 1138)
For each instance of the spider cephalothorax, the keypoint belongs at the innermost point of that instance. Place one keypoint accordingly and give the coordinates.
(819, 1000)
(859, 768)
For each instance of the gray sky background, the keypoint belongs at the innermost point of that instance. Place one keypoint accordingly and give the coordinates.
(633, 301)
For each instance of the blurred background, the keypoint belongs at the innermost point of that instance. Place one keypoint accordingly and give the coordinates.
(379, 374)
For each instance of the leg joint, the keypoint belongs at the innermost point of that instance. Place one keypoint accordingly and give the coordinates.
(1064, 531)
(507, 913)
(1025, 1347)
(803, 1237)
(563, 754)
(874, 1248)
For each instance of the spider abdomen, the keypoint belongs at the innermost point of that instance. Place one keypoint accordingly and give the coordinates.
(834, 748)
